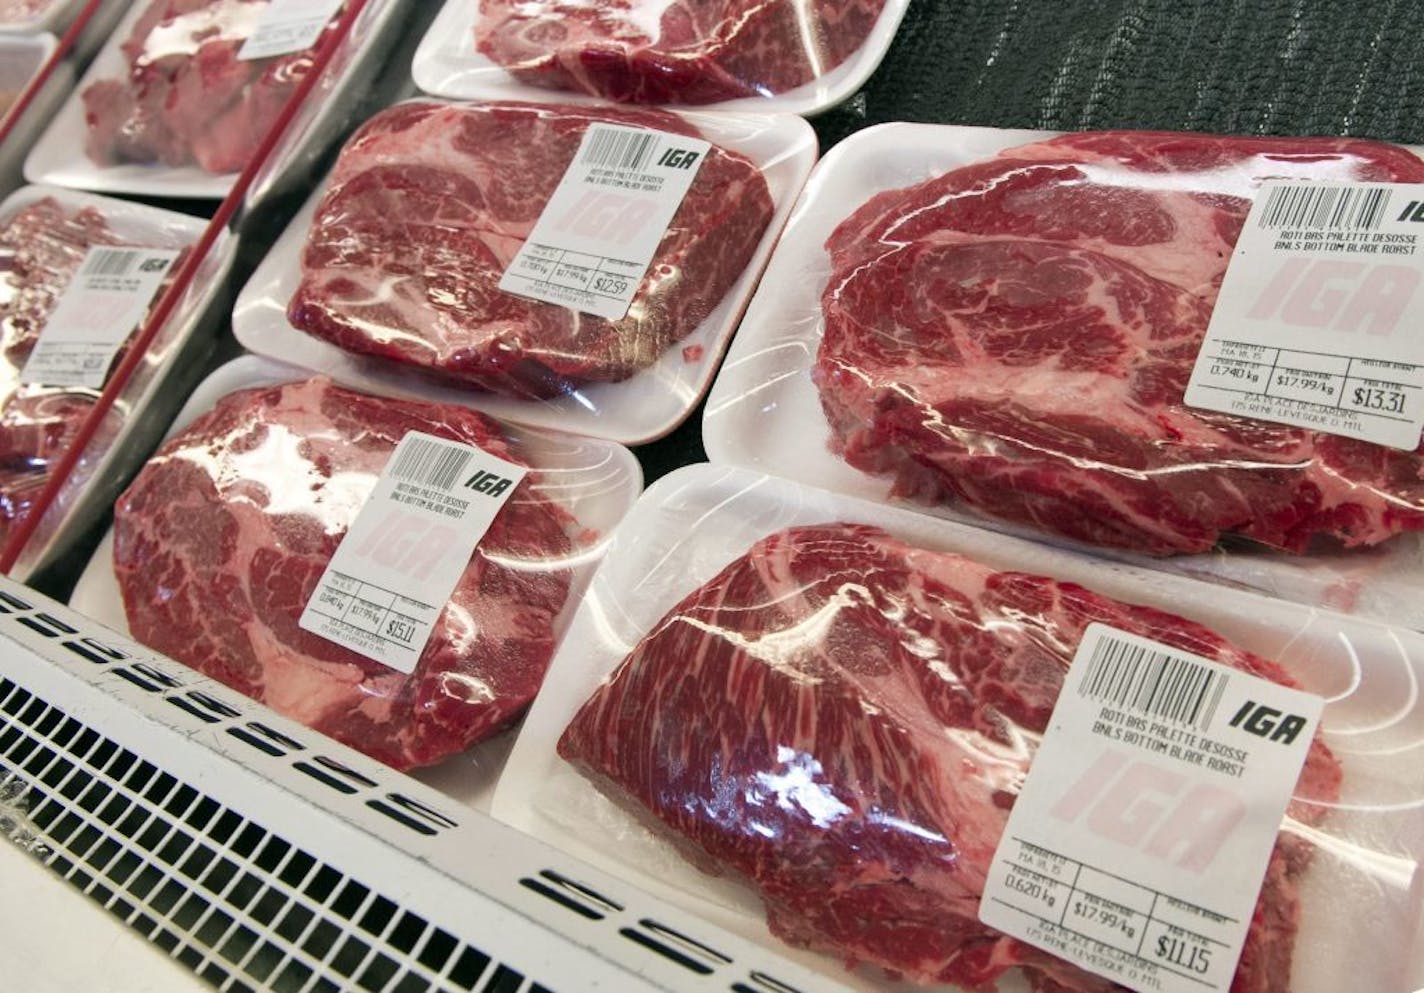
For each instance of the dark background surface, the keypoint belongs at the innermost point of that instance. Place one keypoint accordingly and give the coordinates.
(1326, 67)
(1239, 66)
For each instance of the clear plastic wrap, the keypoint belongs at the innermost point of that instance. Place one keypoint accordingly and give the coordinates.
(21, 57)
(836, 701)
(220, 541)
(167, 110)
(15, 823)
(1003, 323)
(24, 11)
(654, 53)
(392, 271)
(44, 235)
(28, 17)
(785, 55)
(187, 98)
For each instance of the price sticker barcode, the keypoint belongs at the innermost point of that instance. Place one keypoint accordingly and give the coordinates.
(1163, 685)
(1138, 844)
(384, 589)
(423, 460)
(614, 148)
(119, 262)
(1334, 208)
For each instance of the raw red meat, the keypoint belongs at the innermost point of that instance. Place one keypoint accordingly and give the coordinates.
(22, 10)
(40, 250)
(186, 98)
(1017, 335)
(844, 721)
(690, 51)
(221, 539)
(428, 205)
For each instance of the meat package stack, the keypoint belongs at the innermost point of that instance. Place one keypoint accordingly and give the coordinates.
(51, 239)
(174, 104)
(383, 299)
(834, 703)
(773, 676)
(996, 328)
(149, 119)
(389, 283)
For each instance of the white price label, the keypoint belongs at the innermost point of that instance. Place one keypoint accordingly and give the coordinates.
(1320, 319)
(103, 304)
(395, 569)
(1139, 842)
(287, 26)
(596, 236)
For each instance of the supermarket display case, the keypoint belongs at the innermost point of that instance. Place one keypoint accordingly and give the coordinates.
(207, 842)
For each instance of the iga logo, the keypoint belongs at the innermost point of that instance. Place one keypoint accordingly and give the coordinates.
(1143, 806)
(678, 158)
(612, 217)
(407, 543)
(1337, 294)
(1260, 720)
(488, 483)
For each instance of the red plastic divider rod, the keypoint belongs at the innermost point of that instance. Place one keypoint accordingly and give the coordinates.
(169, 299)
(38, 80)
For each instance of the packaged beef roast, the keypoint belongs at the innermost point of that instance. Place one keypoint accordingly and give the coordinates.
(233, 551)
(182, 93)
(189, 96)
(398, 273)
(786, 56)
(24, 11)
(51, 242)
(1004, 325)
(810, 718)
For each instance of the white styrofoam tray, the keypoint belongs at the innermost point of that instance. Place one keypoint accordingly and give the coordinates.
(21, 57)
(693, 522)
(51, 18)
(644, 407)
(56, 17)
(764, 412)
(447, 64)
(595, 481)
(58, 157)
(157, 383)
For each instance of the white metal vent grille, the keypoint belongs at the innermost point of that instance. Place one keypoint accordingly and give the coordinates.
(170, 801)
(239, 905)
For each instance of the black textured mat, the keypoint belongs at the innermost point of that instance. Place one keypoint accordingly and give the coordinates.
(1238, 66)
